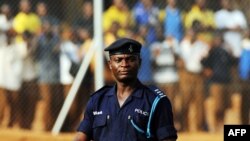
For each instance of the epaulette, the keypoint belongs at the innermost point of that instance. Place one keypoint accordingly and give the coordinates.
(159, 95)
(156, 91)
(102, 90)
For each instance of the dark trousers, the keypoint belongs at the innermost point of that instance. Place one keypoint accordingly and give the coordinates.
(28, 98)
(245, 105)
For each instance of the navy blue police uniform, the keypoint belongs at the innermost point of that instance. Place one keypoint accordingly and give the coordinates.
(146, 115)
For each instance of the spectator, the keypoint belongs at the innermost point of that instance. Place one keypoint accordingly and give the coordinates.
(173, 21)
(68, 56)
(25, 20)
(85, 20)
(192, 50)
(145, 74)
(146, 14)
(244, 73)
(44, 15)
(5, 24)
(47, 57)
(163, 55)
(87, 36)
(29, 93)
(11, 75)
(140, 33)
(165, 73)
(217, 69)
(112, 33)
(117, 12)
(232, 22)
(202, 19)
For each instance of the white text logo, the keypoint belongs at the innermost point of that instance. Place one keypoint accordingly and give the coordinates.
(141, 112)
(97, 112)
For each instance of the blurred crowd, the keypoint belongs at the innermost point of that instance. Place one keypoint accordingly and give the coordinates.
(199, 57)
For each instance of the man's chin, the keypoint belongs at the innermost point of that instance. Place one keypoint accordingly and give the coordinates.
(126, 79)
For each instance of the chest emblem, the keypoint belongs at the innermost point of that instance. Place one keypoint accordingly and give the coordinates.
(139, 111)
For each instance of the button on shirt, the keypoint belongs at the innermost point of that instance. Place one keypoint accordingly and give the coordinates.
(105, 120)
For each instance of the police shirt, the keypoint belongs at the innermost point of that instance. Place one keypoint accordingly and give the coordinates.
(105, 120)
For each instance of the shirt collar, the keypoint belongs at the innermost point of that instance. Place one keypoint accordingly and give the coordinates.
(136, 93)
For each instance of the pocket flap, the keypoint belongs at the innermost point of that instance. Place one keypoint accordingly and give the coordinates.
(100, 120)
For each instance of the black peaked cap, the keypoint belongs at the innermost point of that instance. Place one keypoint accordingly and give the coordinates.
(124, 46)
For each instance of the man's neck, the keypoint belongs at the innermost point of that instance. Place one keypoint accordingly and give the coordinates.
(126, 86)
(124, 90)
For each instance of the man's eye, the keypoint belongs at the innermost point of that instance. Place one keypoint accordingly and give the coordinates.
(117, 60)
(133, 58)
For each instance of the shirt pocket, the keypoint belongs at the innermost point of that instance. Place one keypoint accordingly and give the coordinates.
(141, 121)
(100, 121)
(100, 128)
(137, 127)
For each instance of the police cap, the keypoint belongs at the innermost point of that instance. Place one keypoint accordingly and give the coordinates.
(124, 46)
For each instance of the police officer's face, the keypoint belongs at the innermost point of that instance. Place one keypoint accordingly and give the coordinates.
(124, 66)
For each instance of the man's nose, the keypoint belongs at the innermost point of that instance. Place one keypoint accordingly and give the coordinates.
(124, 63)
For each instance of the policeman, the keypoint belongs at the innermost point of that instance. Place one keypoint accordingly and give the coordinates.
(129, 110)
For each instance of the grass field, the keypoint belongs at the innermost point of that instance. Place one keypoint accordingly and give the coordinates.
(22, 135)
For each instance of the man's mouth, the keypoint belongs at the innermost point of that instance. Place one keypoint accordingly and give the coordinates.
(124, 72)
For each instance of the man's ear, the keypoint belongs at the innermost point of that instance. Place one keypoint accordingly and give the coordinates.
(109, 63)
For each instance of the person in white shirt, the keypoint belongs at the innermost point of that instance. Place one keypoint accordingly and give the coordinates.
(5, 24)
(11, 64)
(165, 73)
(232, 21)
(192, 50)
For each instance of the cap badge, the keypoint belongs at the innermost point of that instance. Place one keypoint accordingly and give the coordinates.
(130, 48)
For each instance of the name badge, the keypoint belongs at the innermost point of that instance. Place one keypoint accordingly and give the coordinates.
(97, 113)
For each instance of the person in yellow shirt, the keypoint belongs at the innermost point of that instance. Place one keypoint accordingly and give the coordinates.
(202, 19)
(117, 12)
(26, 20)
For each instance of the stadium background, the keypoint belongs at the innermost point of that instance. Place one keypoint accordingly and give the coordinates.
(66, 12)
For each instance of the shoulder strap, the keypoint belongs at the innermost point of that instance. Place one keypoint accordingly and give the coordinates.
(159, 94)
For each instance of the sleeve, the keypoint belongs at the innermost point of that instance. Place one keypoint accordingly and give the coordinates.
(208, 60)
(87, 122)
(244, 66)
(107, 20)
(18, 23)
(242, 20)
(36, 24)
(163, 124)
